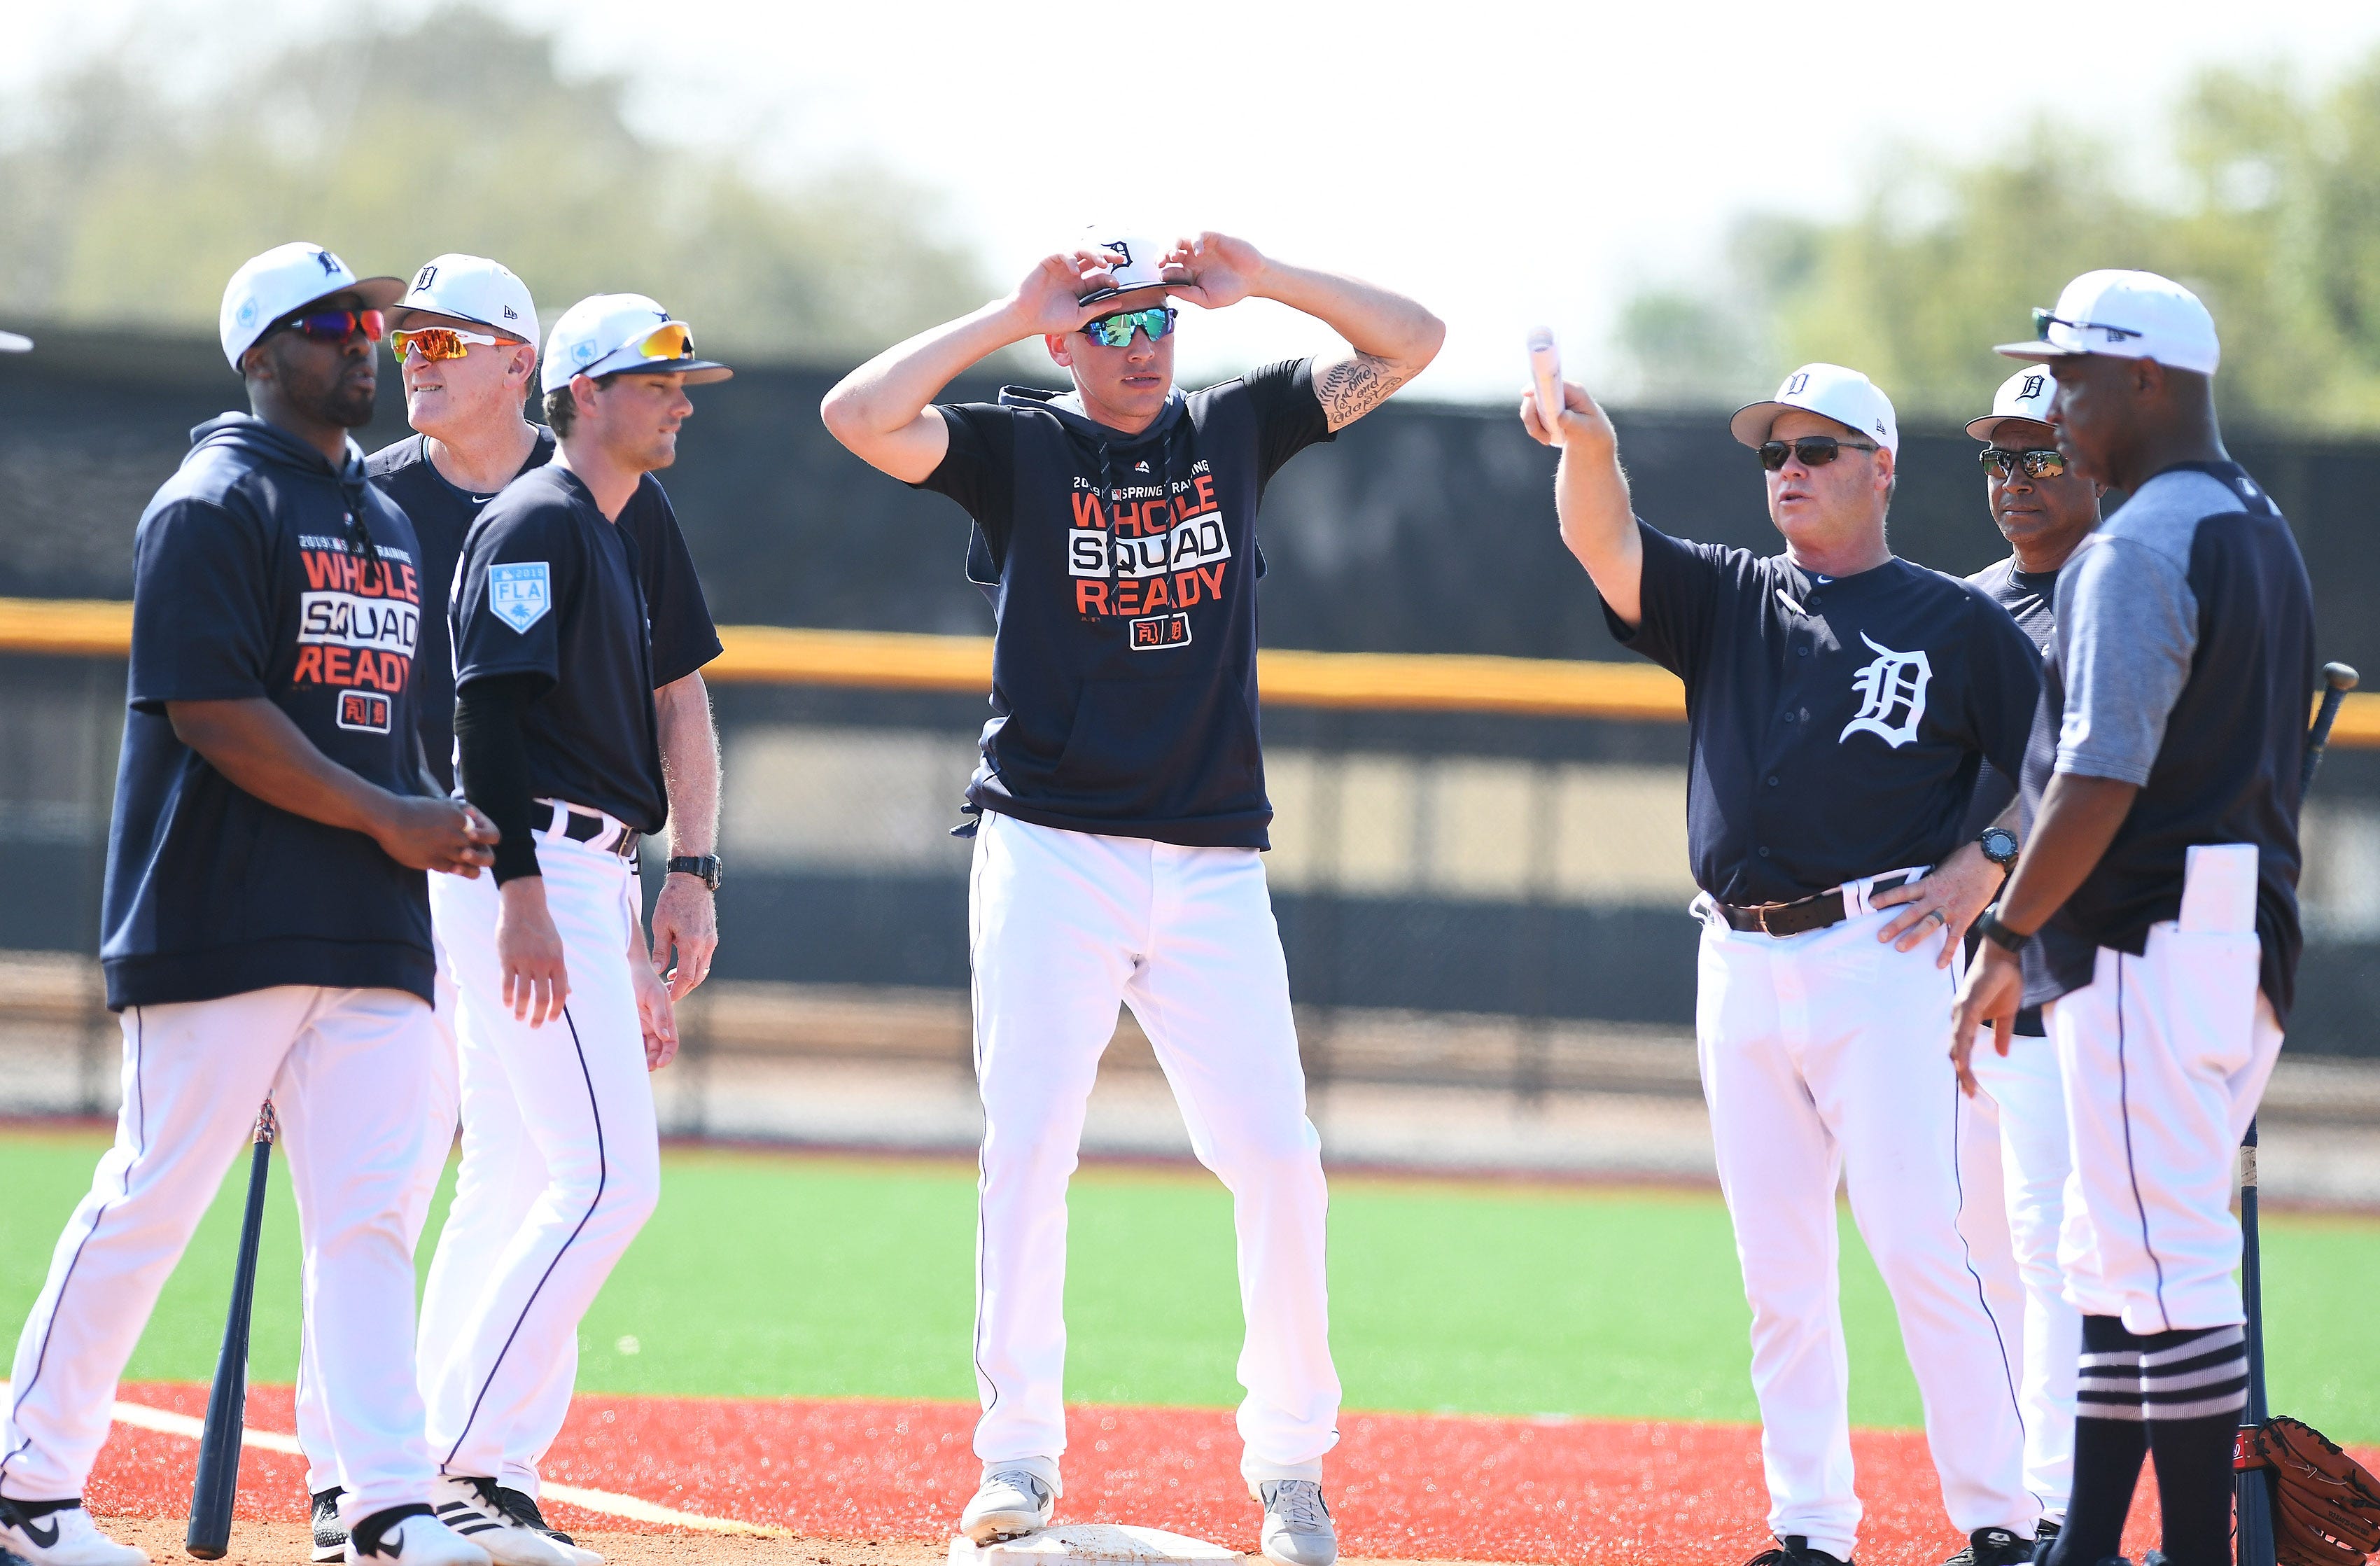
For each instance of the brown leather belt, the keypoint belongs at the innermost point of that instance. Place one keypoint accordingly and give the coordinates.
(1797, 918)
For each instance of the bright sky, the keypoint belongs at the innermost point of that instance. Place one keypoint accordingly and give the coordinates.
(1506, 165)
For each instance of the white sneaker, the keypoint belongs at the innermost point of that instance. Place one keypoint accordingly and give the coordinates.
(1297, 1527)
(521, 1507)
(64, 1537)
(409, 1535)
(1014, 1501)
(469, 1507)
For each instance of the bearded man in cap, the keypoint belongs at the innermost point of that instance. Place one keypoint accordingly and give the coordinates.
(1119, 805)
(1840, 703)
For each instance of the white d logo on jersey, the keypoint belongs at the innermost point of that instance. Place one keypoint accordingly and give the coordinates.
(1892, 694)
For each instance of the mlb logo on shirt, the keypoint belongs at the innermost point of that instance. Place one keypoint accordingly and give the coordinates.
(365, 710)
(519, 595)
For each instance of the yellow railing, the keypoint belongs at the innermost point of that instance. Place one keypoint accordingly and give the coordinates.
(896, 660)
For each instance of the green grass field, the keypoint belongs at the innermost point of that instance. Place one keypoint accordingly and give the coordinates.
(780, 1274)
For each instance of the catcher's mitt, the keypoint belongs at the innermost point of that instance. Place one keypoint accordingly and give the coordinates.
(2326, 1505)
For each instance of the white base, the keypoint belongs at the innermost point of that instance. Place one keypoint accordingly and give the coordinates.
(1102, 1543)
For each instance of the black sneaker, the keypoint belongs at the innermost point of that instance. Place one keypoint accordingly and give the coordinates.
(1994, 1547)
(2045, 1534)
(521, 1507)
(1794, 1550)
(330, 1533)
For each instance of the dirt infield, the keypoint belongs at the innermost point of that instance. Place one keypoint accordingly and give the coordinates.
(866, 1483)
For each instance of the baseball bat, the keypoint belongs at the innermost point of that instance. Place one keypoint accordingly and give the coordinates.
(1545, 369)
(226, 1421)
(2253, 1486)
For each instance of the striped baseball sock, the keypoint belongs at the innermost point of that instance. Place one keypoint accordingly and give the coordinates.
(2193, 1386)
(2111, 1440)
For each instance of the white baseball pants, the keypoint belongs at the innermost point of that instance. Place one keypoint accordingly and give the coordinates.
(1826, 1055)
(1064, 925)
(511, 1283)
(2013, 1175)
(2164, 1057)
(349, 1075)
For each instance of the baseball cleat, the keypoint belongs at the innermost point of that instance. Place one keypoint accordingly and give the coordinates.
(521, 1507)
(1794, 1550)
(60, 1532)
(1011, 1503)
(2044, 1535)
(1993, 1547)
(468, 1506)
(1297, 1527)
(410, 1535)
(330, 1533)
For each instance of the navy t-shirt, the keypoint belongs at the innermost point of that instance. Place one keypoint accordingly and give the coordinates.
(683, 638)
(1122, 571)
(2031, 599)
(1835, 725)
(251, 579)
(549, 587)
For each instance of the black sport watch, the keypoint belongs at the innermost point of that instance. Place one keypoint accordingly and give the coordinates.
(1998, 845)
(1988, 926)
(704, 869)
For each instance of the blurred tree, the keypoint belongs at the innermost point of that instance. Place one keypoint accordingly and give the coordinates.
(456, 135)
(2264, 199)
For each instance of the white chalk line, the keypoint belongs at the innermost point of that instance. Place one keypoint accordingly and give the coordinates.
(610, 1503)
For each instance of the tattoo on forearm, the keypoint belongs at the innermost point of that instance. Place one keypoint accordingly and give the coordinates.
(1354, 387)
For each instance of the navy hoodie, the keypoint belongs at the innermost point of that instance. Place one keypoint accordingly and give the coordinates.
(1122, 571)
(259, 570)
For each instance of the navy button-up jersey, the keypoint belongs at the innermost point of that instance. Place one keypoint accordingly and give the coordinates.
(1836, 723)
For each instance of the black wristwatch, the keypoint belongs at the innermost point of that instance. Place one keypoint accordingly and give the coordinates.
(1998, 845)
(704, 869)
(1988, 926)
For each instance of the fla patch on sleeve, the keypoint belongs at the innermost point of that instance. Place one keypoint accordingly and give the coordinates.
(520, 594)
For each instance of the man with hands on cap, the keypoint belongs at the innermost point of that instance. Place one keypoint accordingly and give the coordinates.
(266, 928)
(1840, 702)
(2012, 1153)
(1121, 805)
(2155, 904)
(556, 740)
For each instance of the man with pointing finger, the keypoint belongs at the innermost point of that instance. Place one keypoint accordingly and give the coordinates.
(1840, 702)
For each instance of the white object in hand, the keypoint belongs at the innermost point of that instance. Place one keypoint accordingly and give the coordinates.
(1545, 368)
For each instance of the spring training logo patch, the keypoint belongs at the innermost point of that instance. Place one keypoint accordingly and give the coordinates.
(520, 594)
(1892, 694)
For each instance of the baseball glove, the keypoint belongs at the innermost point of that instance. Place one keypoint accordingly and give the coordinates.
(2326, 1505)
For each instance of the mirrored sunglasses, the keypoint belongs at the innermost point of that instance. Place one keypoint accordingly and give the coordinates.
(334, 325)
(2043, 319)
(1115, 330)
(437, 342)
(2040, 462)
(673, 341)
(1811, 450)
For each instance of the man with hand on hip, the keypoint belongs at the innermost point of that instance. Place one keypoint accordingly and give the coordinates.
(2160, 881)
(1122, 805)
(556, 739)
(1840, 702)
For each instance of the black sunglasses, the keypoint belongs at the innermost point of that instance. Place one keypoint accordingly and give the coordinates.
(2044, 320)
(1115, 330)
(1813, 451)
(2040, 462)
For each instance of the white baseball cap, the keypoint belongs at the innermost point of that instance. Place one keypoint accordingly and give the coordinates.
(1135, 263)
(2025, 395)
(285, 280)
(1844, 395)
(470, 288)
(2125, 315)
(615, 333)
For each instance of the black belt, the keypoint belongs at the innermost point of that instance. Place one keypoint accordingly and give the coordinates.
(1795, 918)
(583, 828)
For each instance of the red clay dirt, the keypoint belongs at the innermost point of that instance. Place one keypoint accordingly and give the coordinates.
(1410, 1487)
